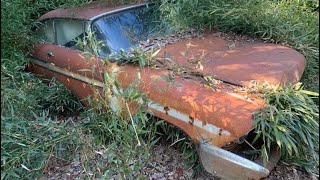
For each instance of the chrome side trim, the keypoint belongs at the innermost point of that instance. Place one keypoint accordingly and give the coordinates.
(185, 118)
(52, 67)
(119, 10)
(228, 165)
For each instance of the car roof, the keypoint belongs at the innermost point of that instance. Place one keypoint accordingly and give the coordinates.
(87, 11)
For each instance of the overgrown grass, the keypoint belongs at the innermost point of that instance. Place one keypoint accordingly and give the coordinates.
(123, 145)
(290, 121)
(30, 134)
(126, 138)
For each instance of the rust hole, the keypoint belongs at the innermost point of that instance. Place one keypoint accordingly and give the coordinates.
(220, 132)
(166, 109)
(204, 123)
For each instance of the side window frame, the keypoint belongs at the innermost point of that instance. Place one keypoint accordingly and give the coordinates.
(55, 32)
(53, 29)
(84, 23)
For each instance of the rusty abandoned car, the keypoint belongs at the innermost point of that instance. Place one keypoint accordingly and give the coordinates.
(215, 119)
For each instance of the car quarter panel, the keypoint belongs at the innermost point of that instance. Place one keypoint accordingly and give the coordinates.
(80, 89)
(71, 60)
(80, 73)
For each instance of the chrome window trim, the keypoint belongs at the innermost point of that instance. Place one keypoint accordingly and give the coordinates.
(116, 11)
(55, 32)
(119, 10)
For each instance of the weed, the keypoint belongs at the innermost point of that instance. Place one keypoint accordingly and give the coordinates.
(126, 138)
(182, 142)
(26, 146)
(117, 120)
(135, 56)
(289, 120)
(30, 135)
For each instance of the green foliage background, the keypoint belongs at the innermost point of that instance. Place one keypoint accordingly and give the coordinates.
(28, 133)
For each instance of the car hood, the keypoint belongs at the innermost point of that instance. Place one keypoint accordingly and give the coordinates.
(237, 63)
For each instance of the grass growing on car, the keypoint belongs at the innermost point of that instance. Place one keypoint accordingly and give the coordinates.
(124, 137)
(289, 120)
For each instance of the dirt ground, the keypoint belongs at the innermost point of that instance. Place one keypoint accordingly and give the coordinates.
(166, 163)
(172, 168)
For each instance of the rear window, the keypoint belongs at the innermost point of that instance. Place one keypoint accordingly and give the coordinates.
(68, 31)
(46, 32)
(63, 32)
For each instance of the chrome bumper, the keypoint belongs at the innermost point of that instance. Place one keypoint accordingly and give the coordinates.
(229, 166)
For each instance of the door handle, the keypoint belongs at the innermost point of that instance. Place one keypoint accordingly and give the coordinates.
(50, 54)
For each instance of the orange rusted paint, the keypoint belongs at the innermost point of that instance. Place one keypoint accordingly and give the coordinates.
(219, 108)
(240, 65)
(197, 101)
(71, 60)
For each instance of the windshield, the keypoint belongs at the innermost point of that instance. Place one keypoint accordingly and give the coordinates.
(126, 29)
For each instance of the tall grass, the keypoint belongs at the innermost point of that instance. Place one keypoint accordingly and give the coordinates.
(123, 145)
(290, 121)
(30, 134)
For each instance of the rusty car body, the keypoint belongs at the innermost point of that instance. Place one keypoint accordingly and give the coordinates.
(212, 118)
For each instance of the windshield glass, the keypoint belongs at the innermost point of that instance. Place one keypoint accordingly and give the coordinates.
(126, 29)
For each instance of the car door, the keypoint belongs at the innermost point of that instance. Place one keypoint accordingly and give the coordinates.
(59, 57)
